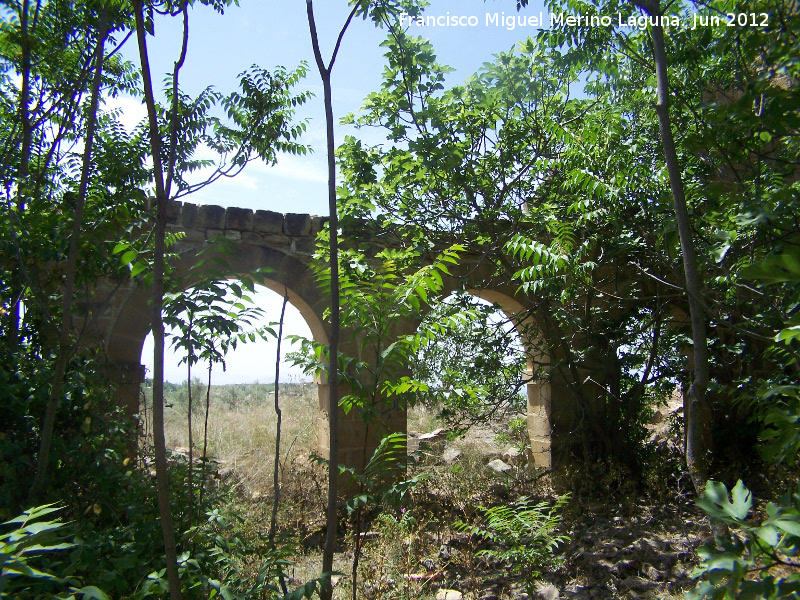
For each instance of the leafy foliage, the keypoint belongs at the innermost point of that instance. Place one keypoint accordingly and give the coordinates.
(34, 541)
(471, 361)
(524, 533)
(377, 295)
(750, 562)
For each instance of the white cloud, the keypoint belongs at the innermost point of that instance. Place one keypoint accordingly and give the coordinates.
(133, 110)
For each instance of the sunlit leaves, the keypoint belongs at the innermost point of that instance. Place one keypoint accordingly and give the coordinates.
(740, 565)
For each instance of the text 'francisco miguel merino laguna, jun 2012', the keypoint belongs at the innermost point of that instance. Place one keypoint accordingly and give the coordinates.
(540, 20)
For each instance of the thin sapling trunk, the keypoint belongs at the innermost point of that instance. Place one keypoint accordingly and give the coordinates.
(332, 521)
(205, 432)
(273, 523)
(64, 349)
(159, 444)
(695, 399)
(189, 359)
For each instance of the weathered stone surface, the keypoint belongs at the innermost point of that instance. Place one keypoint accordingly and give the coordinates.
(445, 594)
(174, 212)
(512, 455)
(194, 235)
(210, 216)
(451, 455)
(434, 436)
(267, 221)
(305, 246)
(188, 215)
(240, 219)
(276, 240)
(317, 224)
(297, 225)
(252, 237)
(233, 235)
(498, 466)
(546, 592)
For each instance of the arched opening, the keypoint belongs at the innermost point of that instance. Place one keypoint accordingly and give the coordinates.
(487, 363)
(234, 420)
(128, 322)
(538, 389)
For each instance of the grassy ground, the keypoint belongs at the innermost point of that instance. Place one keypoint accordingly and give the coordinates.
(413, 549)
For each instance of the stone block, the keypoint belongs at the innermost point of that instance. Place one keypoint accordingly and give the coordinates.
(252, 237)
(267, 221)
(240, 219)
(277, 240)
(174, 211)
(304, 246)
(233, 235)
(210, 216)
(297, 225)
(318, 224)
(194, 235)
(188, 215)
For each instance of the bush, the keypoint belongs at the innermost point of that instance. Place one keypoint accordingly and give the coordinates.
(524, 534)
(28, 568)
(756, 560)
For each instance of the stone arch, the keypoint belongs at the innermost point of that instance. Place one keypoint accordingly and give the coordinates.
(538, 392)
(125, 338)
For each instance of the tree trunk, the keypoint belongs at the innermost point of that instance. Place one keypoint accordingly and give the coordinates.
(189, 422)
(694, 419)
(64, 349)
(332, 522)
(276, 489)
(159, 444)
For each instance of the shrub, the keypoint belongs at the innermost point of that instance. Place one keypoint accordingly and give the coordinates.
(751, 562)
(524, 534)
(27, 567)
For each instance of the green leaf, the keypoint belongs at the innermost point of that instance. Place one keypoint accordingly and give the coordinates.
(128, 257)
(716, 503)
(137, 268)
(90, 592)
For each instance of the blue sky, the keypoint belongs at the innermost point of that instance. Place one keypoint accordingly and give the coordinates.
(269, 33)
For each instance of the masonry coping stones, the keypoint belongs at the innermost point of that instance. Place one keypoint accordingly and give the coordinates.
(210, 216)
(188, 215)
(267, 221)
(297, 225)
(174, 212)
(318, 224)
(240, 219)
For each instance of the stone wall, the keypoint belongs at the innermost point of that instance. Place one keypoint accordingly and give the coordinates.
(293, 233)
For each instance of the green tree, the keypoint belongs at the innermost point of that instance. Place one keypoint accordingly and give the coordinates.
(472, 361)
(259, 127)
(378, 12)
(210, 318)
(528, 176)
(733, 171)
(54, 136)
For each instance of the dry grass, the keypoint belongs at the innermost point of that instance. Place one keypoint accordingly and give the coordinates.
(242, 430)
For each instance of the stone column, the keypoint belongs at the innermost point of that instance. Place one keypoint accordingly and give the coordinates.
(357, 439)
(127, 379)
(539, 426)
